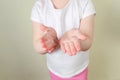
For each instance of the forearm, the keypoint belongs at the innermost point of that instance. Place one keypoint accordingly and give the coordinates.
(87, 28)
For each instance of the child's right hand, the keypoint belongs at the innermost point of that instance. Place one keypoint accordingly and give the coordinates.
(48, 41)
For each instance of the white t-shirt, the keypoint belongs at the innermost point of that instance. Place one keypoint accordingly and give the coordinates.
(63, 20)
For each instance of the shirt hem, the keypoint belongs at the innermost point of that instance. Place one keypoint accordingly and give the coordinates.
(35, 20)
(92, 13)
(79, 71)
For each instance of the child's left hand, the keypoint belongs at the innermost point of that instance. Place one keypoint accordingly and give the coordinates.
(70, 41)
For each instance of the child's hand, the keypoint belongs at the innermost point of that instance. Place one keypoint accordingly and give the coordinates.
(49, 40)
(70, 41)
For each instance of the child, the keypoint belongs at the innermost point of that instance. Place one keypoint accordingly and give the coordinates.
(63, 30)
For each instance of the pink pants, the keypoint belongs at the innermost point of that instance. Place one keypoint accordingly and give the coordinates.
(81, 76)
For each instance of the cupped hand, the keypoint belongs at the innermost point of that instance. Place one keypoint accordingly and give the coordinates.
(70, 41)
(49, 40)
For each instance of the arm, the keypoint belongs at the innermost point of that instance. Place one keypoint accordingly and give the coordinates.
(37, 34)
(87, 29)
(80, 39)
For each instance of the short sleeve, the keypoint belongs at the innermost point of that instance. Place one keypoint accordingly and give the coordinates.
(87, 8)
(36, 13)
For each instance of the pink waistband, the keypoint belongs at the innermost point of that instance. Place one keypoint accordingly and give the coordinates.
(81, 76)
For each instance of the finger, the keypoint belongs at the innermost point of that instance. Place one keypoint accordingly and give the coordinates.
(43, 42)
(54, 46)
(50, 46)
(77, 45)
(51, 50)
(43, 45)
(43, 28)
(56, 41)
(51, 43)
(63, 48)
(72, 48)
(67, 48)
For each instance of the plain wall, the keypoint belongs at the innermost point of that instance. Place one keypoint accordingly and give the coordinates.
(19, 61)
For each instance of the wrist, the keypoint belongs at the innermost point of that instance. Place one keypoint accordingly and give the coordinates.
(85, 44)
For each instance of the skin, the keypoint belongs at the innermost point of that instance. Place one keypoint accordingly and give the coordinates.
(49, 37)
(81, 39)
(42, 36)
(58, 4)
(70, 41)
(73, 41)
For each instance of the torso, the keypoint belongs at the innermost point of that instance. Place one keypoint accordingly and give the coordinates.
(62, 20)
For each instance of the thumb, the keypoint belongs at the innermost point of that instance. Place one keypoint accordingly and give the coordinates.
(43, 28)
(81, 36)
